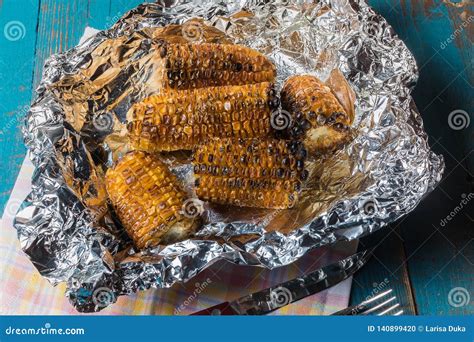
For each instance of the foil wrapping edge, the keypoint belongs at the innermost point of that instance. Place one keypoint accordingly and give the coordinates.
(57, 231)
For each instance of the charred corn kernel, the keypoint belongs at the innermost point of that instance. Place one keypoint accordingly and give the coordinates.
(250, 172)
(148, 200)
(188, 66)
(317, 116)
(179, 120)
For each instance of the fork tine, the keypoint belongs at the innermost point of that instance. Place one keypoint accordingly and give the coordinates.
(378, 306)
(388, 310)
(377, 297)
(398, 313)
(366, 308)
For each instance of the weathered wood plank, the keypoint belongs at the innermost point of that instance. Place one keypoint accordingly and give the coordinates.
(383, 271)
(120, 7)
(62, 23)
(440, 258)
(440, 255)
(17, 40)
(52, 26)
(99, 14)
(49, 27)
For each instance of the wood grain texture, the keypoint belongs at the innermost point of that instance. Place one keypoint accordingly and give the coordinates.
(51, 27)
(438, 259)
(385, 270)
(62, 23)
(97, 9)
(120, 7)
(18, 20)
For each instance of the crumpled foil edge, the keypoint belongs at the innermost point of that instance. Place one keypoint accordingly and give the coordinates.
(56, 229)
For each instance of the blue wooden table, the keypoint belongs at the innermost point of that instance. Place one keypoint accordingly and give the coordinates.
(424, 257)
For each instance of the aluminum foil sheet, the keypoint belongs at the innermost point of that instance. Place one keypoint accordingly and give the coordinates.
(74, 131)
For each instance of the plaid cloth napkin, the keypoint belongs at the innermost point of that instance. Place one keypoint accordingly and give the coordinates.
(24, 292)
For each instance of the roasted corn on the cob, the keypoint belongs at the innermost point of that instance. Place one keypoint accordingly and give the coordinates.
(317, 116)
(148, 200)
(189, 66)
(264, 173)
(179, 120)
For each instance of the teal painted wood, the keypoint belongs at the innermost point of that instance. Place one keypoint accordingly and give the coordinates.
(384, 270)
(50, 27)
(120, 7)
(97, 9)
(62, 23)
(17, 60)
(439, 256)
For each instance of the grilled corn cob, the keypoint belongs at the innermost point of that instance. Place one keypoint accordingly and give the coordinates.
(148, 200)
(316, 114)
(250, 172)
(188, 66)
(179, 120)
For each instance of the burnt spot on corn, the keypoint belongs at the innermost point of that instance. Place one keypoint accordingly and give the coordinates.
(189, 66)
(179, 120)
(251, 172)
(318, 116)
(147, 198)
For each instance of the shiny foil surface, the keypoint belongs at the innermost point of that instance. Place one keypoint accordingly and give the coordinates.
(75, 131)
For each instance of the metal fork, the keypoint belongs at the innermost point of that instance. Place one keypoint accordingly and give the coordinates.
(379, 305)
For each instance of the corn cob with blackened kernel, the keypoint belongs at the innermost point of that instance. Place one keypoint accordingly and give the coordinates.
(148, 200)
(259, 173)
(317, 116)
(189, 66)
(179, 120)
